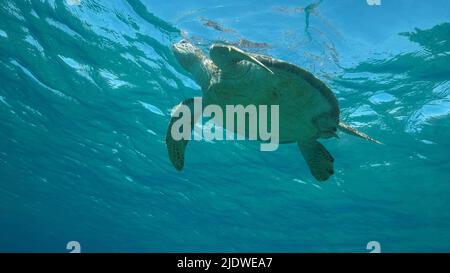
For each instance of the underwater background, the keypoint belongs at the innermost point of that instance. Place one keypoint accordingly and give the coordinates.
(86, 89)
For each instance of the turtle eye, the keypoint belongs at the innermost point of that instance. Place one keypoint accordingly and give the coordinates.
(183, 41)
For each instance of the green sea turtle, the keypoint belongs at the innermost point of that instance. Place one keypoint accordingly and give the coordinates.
(308, 109)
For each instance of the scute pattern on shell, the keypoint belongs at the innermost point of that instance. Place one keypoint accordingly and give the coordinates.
(307, 76)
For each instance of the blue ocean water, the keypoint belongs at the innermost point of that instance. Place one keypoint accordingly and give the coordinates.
(86, 89)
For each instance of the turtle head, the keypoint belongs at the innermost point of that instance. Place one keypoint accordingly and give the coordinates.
(188, 55)
(192, 59)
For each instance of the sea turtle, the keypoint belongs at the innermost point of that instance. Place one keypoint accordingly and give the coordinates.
(308, 109)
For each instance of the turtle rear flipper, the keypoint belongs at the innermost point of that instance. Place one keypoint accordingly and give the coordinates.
(352, 131)
(176, 147)
(319, 160)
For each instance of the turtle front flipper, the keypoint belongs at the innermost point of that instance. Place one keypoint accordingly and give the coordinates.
(225, 55)
(319, 160)
(175, 146)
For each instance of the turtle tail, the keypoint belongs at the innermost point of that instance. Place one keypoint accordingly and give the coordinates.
(352, 131)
